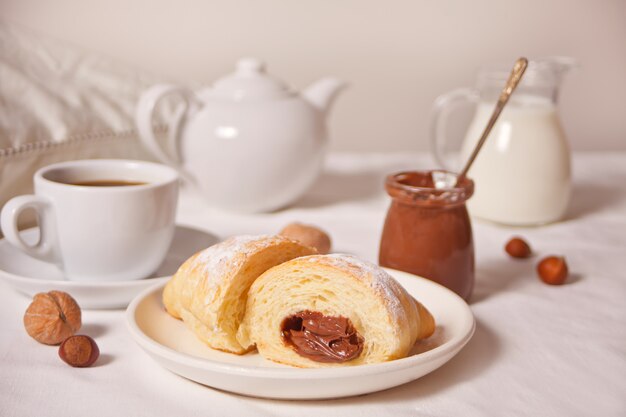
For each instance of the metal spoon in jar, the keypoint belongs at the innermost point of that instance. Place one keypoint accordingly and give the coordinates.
(444, 180)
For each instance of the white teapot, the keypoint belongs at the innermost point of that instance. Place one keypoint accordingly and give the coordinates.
(248, 143)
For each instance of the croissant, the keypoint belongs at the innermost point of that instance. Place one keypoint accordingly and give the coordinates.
(331, 310)
(209, 290)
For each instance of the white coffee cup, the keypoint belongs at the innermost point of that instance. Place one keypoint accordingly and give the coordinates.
(99, 232)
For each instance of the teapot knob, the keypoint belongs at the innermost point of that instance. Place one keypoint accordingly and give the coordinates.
(249, 80)
(250, 65)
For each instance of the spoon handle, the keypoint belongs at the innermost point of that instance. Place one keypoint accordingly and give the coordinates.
(511, 84)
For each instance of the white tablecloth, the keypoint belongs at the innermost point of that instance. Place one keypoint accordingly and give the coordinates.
(538, 350)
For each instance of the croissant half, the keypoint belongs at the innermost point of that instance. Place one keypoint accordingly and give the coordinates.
(381, 321)
(209, 291)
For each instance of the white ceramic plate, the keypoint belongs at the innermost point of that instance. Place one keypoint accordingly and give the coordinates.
(176, 348)
(30, 276)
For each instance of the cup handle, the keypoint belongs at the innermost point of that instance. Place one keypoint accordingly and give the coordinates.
(47, 248)
(145, 110)
(439, 116)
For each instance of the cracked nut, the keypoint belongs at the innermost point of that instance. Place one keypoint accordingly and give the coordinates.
(518, 248)
(308, 235)
(52, 317)
(79, 351)
(553, 270)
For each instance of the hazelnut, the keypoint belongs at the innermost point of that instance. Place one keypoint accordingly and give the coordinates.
(518, 248)
(552, 270)
(52, 317)
(79, 351)
(308, 235)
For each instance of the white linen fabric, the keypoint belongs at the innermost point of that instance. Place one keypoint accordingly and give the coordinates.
(538, 350)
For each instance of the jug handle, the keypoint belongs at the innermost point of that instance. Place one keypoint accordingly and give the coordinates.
(438, 117)
(145, 111)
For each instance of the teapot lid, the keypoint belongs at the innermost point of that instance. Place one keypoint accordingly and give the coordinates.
(249, 81)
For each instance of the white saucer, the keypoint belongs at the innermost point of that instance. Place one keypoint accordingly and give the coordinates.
(30, 276)
(176, 348)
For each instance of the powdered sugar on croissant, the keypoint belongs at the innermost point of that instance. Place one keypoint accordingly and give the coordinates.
(209, 291)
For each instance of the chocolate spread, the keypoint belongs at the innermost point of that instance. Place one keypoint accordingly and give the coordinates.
(427, 231)
(322, 338)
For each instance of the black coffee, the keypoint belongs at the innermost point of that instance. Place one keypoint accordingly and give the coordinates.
(107, 183)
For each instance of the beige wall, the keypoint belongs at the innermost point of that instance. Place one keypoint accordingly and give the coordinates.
(397, 55)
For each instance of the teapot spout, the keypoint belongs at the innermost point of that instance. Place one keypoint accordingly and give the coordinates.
(322, 93)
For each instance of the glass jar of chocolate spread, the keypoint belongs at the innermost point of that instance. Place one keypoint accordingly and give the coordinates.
(427, 231)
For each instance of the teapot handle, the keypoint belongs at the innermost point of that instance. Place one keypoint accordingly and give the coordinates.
(145, 110)
(439, 116)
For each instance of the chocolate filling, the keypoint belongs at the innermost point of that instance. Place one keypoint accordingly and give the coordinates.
(322, 338)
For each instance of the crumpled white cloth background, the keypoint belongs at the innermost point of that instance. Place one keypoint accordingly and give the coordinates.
(52, 91)
(538, 350)
(60, 103)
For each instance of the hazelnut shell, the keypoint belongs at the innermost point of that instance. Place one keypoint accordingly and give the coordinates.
(518, 248)
(308, 235)
(79, 351)
(553, 270)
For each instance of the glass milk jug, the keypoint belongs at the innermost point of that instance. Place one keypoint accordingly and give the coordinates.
(522, 173)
